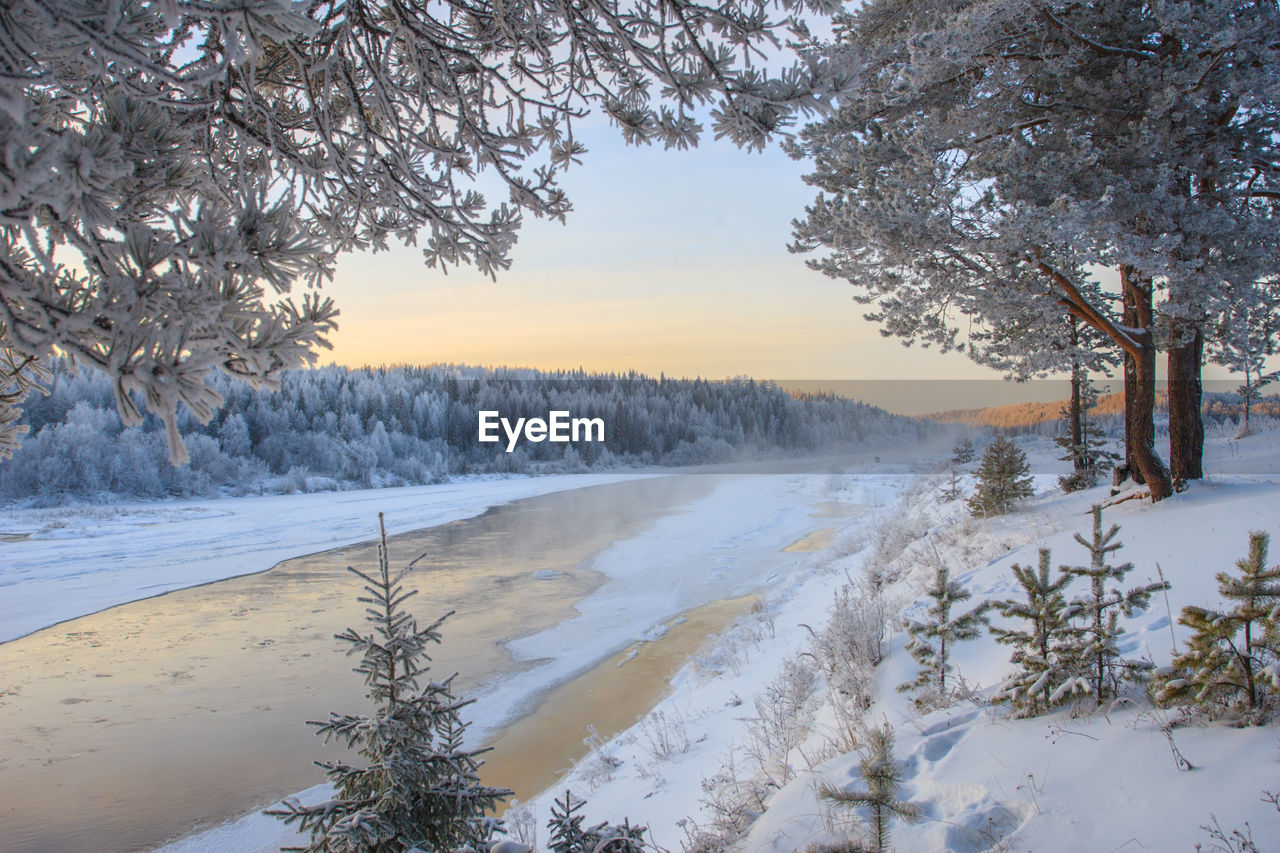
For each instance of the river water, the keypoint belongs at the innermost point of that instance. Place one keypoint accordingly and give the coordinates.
(124, 728)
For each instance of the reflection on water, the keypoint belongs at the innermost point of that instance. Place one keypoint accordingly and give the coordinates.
(130, 726)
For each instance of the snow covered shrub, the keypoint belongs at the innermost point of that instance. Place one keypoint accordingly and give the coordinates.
(852, 643)
(883, 776)
(598, 765)
(932, 640)
(420, 789)
(780, 724)
(1003, 478)
(1099, 612)
(734, 797)
(664, 736)
(1232, 662)
(1046, 646)
(569, 836)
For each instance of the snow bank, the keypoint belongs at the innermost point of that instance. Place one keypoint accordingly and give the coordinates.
(1077, 779)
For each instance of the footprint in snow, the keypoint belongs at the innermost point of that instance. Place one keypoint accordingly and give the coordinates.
(938, 746)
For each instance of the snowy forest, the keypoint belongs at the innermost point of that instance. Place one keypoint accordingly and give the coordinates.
(334, 427)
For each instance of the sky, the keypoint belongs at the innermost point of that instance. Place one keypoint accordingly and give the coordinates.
(672, 262)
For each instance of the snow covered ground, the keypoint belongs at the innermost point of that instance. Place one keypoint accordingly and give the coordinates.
(1078, 779)
(63, 562)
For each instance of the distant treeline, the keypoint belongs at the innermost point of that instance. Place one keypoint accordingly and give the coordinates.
(334, 427)
(1049, 418)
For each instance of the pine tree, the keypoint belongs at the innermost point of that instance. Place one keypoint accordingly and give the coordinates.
(1046, 650)
(1082, 446)
(932, 640)
(420, 789)
(1233, 656)
(883, 777)
(952, 490)
(1003, 477)
(1100, 610)
(963, 453)
(569, 836)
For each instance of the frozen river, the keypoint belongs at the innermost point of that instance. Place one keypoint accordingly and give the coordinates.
(139, 722)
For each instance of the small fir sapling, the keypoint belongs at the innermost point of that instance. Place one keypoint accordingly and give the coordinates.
(963, 453)
(1100, 610)
(1244, 337)
(933, 639)
(883, 778)
(1003, 478)
(569, 836)
(1233, 656)
(420, 789)
(1083, 449)
(952, 490)
(1046, 645)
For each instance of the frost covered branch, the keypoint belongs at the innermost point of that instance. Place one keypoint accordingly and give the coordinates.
(171, 170)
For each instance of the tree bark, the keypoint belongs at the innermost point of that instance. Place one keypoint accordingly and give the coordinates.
(1135, 338)
(1186, 427)
(1078, 450)
(1140, 387)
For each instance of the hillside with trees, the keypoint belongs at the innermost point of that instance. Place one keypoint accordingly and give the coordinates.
(335, 427)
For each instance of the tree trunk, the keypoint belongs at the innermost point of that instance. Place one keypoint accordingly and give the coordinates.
(1186, 427)
(1078, 449)
(1140, 388)
(1135, 338)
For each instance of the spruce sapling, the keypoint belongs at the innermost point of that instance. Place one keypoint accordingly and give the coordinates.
(420, 789)
(1100, 610)
(1046, 648)
(883, 777)
(932, 640)
(1003, 478)
(1083, 445)
(963, 453)
(1233, 656)
(569, 836)
(952, 491)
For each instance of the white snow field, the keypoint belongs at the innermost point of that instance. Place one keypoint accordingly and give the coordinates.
(63, 562)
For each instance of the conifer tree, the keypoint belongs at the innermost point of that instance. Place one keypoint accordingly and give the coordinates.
(569, 836)
(1082, 446)
(1100, 610)
(962, 453)
(1003, 477)
(1046, 649)
(1233, 656)
(420, 789)
(932, 640)
(952, 490)
(883, 777)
